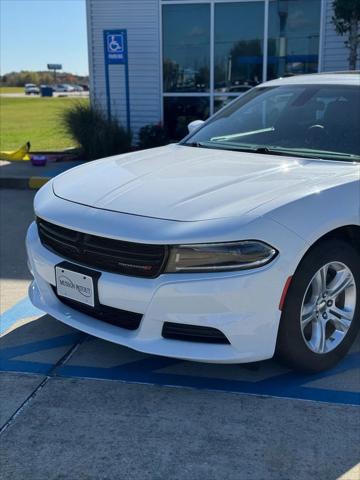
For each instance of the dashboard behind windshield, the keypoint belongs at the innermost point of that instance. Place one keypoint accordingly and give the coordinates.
(319, 120)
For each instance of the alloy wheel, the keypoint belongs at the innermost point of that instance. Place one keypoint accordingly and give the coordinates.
(328, 307)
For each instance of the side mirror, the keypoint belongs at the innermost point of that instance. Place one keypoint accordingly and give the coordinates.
(195, 125)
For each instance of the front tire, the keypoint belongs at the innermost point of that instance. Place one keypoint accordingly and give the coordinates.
(321, 314)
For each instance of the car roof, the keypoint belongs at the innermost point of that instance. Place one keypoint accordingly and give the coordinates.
(330, 78)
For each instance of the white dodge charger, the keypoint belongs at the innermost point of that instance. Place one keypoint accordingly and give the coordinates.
(239, 242)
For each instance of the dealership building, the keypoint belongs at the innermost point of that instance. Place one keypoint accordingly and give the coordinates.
(172, 61)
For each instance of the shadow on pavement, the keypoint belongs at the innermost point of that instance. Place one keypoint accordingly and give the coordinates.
(37, 346)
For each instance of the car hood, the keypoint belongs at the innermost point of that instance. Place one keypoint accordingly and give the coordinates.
(191, 184)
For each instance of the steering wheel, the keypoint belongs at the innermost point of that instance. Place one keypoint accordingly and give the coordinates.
(316, 136)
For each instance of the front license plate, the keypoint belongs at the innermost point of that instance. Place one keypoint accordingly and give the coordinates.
(75, 285)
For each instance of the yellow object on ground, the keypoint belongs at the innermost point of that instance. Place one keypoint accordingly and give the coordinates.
(37, 182)
(21, 153)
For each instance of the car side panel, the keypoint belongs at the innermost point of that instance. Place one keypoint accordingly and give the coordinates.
(315, 215)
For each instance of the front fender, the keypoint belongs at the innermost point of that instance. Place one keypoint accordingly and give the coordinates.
(320, 213)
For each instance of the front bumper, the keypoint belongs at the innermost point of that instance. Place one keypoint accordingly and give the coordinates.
(242, 305)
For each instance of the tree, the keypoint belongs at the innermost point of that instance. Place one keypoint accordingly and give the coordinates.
(171, 74)
(347, 22)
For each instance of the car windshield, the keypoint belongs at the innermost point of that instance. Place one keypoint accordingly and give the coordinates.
(315, 121)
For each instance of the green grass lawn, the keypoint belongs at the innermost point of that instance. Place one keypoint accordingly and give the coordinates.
(11, 90)
(37, 120)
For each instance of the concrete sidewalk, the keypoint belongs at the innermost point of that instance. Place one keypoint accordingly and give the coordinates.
(23, 175)
(88, 429)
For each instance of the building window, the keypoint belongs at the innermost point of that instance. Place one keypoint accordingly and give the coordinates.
(239, 40)
(180, 111)
(214, 51)
(186, 48)
(294, 31)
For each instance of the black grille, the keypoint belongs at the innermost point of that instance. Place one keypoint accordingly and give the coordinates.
(193, 333)
(114, 316)
(117, 256)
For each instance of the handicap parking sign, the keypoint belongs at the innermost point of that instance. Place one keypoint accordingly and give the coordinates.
(115, 43)
(116, 53)
(116, 47)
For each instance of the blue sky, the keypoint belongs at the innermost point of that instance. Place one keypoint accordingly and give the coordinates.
(34, 33)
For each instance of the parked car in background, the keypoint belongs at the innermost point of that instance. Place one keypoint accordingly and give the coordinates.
(31, 89)
(63, 88)
(78, 88)
(239, 242)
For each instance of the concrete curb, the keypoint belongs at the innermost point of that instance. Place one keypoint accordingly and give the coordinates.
(23, 183)
(24, 176)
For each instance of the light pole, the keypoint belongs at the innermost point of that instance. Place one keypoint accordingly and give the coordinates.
(283, 7)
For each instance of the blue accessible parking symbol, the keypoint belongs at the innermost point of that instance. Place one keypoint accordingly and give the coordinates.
(115, 48)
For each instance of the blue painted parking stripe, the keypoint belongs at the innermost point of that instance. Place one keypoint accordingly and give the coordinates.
(19, 311)
(150, 370)
(8, 355)
(288, 385)
(38, 346)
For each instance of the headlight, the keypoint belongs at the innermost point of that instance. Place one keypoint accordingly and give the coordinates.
(219, 257)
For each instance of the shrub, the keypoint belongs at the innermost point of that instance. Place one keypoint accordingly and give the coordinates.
(152, 136)
(96, 134)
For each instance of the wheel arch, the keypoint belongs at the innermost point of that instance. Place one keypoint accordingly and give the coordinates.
(347, 233)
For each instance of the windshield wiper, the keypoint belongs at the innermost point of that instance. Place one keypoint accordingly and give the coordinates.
(229, 146)
(280, 151)
(248, 148)
(312, 153)
(233, 136)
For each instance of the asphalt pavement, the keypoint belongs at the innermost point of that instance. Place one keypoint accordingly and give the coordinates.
(76, 407)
